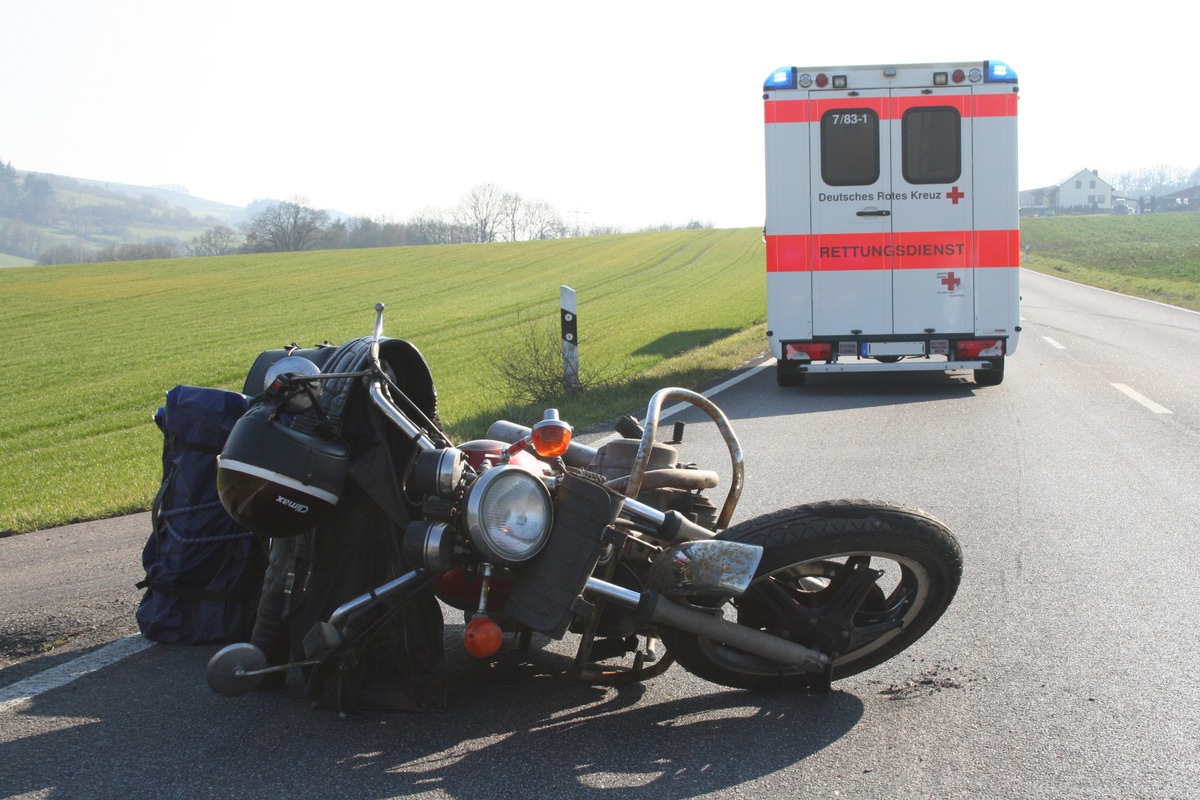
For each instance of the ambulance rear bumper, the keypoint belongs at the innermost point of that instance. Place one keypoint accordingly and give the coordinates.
(868, 365)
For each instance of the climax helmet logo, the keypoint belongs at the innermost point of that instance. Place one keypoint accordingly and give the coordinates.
(299, 508)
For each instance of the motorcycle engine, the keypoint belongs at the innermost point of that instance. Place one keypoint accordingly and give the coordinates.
(667, 486)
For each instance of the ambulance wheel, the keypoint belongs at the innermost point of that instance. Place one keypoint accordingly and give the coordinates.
(991, 377)
(789, 377)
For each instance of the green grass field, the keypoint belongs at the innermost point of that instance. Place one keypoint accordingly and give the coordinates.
(91, 349)
(1156, 256)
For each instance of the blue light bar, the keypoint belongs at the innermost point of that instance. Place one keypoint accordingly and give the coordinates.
(998, 72)
(782, 78)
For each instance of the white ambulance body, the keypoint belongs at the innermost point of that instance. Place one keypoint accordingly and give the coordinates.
(892, 219)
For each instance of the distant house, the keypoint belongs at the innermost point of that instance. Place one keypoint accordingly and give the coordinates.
(1083, 192)
(1037, 202)
(1183, 200)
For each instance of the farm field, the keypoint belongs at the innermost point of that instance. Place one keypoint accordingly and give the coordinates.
(1156, 256)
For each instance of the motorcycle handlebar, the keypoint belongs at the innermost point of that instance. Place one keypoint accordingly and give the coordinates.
(378, 334)
(398, 418)
(654, 411)
(669, 525)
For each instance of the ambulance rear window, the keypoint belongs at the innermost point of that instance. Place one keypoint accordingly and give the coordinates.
(932, 142)
(850, 147)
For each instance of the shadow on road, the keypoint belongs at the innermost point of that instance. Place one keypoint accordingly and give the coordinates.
(521, 727)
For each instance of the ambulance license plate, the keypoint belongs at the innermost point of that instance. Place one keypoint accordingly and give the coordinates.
(872, 349)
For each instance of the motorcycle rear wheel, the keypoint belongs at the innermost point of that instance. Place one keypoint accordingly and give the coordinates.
(856, 579)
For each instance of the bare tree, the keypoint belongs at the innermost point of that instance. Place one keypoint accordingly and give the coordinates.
(542, 221)
(511, 215)
(1154, 180)
(219, 240)
(480, 211)
(431, 226)
(487, 214)
(287, 227)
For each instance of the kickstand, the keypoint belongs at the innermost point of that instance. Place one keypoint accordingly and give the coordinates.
(341, 693)
(824, 681)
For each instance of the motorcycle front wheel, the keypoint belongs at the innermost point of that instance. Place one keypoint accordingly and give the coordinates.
(859, 581)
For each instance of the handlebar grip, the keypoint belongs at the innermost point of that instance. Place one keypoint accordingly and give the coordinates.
(678, 528)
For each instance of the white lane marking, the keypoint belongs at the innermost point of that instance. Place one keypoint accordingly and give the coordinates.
(1054, 343)
(1026, 270)
(1145, 401)
(22, 692)
(675, 409)
(736, 379)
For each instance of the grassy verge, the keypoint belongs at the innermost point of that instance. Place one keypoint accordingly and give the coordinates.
(1156, 256)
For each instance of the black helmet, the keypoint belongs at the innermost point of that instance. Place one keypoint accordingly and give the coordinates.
(275, 480)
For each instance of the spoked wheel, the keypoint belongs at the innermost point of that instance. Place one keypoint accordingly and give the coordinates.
(859, 581)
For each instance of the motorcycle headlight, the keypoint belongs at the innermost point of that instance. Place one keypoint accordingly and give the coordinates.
(509, 514)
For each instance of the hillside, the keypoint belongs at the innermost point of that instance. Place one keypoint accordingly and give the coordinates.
(71, 218)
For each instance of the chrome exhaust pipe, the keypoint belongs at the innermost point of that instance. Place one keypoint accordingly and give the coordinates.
(661, 611)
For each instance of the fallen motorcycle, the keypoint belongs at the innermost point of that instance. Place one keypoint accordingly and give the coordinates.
(527, 531)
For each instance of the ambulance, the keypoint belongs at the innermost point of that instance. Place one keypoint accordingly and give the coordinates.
(892, 238)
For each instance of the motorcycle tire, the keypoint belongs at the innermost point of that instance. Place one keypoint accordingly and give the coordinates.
(809, 588)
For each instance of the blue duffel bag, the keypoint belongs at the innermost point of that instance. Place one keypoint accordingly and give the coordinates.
(203, 571)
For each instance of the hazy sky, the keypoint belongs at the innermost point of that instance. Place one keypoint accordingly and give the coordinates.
(631, 113)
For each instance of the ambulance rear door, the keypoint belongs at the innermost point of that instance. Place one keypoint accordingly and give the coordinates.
(851, 176)
(891, 212)
(933, 287)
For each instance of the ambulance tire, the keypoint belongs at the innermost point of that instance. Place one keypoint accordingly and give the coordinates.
(789, 377)
(861, 580)
(991, 377)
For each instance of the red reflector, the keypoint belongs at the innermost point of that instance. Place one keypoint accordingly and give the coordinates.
(959, 76)
(979, 348)
(808, 351)
(822, 80)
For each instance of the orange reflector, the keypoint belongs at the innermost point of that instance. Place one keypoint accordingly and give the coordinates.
(483, 637)
(551, 437)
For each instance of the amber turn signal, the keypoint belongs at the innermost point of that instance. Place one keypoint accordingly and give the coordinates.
(483, 637)
(551, 437)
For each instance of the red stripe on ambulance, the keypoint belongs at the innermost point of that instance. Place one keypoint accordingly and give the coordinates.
(832, 252)
(992, 105)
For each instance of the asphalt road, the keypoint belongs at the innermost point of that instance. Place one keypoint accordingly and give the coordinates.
(1064, 668)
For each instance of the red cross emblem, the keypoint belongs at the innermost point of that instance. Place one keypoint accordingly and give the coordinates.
(955, 195)
(951, 282)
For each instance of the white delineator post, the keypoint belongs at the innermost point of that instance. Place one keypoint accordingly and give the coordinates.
(570, 338)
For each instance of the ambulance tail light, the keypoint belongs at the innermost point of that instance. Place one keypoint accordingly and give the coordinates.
(808, 351)
(969, 349)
